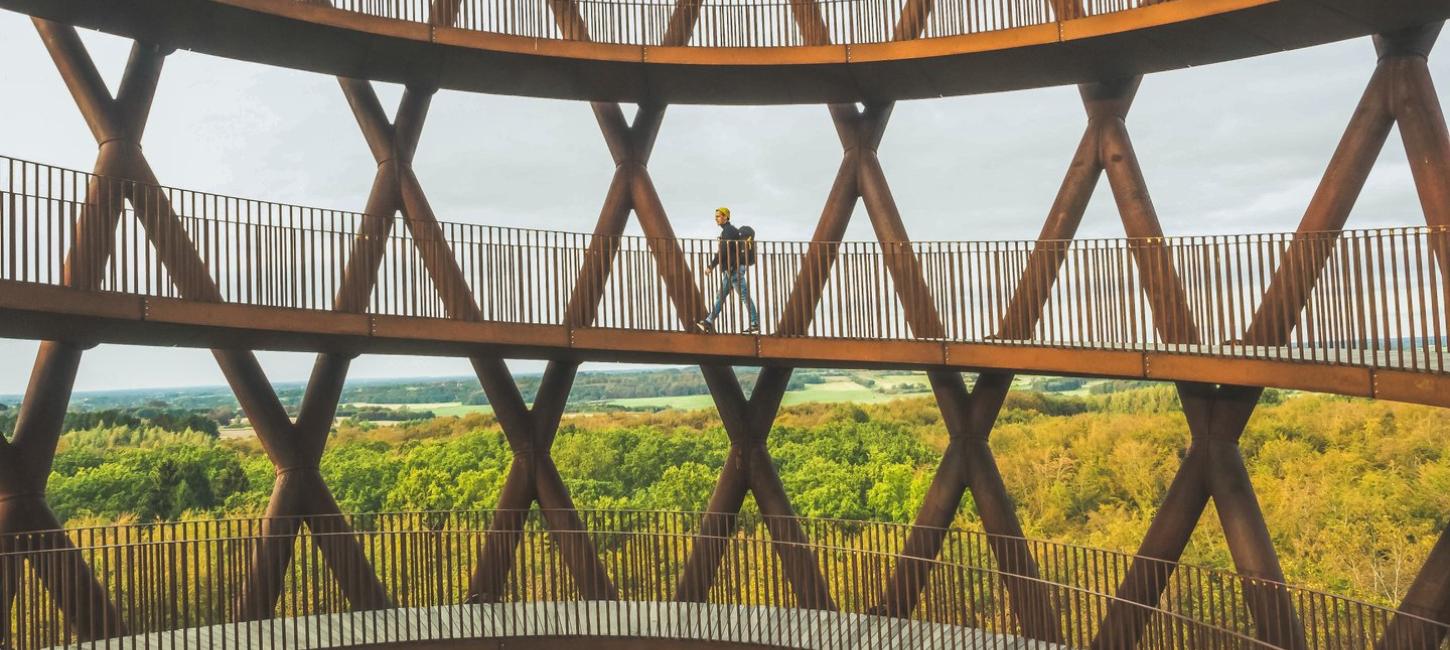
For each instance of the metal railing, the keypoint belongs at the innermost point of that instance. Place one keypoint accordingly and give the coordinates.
(1368, 298)
(182, 584)
(736, 23)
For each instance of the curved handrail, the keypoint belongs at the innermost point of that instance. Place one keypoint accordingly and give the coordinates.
(738, 23)
(1369, 299)
(425, 560)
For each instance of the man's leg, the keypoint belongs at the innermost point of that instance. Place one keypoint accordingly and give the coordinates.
(743, 281)
(720, 298)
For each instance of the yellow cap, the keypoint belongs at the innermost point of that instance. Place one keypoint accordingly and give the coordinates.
(724, 210)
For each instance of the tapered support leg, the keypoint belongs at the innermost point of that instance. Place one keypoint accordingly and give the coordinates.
(1400, 90)
(1421, 621)
(117, 124)
(533, 477)
(749, 468)
(25, 462)
(1426, 607)
(716, 526)
(968, 464)
(505, 533)
(1154, 562)
(1213, 468)
(299, 494)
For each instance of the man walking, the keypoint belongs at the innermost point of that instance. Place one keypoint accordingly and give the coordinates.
(732, 258)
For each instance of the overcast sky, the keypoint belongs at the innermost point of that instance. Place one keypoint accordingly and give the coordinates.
(1232, 147)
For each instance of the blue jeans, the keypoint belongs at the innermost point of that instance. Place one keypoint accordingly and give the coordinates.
(736, 278)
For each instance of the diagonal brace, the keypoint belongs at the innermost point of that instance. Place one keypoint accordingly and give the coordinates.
(534, 478)
(1213, 468)
(749, 468)
(299, 493)
(1105, 148)
(968, 464)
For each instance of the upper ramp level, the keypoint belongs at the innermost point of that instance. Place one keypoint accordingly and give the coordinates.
(751, 52)
(1353, 313)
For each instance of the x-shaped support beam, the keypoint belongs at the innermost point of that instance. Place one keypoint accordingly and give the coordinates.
(393, 145)
(530, 433)
(1213, 468)
(1105, 147)
(1400, 91)
(117, 124)
(630, 189)
(299, 494)
(749, 468)
(533, 477)
(968, 464)
(25, 462)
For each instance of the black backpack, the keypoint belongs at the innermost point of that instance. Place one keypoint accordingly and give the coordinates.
(747, 245)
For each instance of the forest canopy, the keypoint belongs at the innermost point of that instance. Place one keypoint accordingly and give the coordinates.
(1355, 491)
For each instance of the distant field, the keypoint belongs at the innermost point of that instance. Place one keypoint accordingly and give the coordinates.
(836, 389)
(858, 386)
(438, 408)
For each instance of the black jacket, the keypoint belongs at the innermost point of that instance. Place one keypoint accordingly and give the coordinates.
(729, 255)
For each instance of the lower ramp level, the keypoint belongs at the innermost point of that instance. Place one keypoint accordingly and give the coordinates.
(579, 624)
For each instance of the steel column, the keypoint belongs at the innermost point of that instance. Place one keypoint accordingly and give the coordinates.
(749, 467)
(630, 146)
(25, 463)
(1422, 125)
(299, 494)
(1400, 90)
(533, 477)
(1213, 468)
(117, 125)
(632, 186)
(968, 464)
(1105, 148)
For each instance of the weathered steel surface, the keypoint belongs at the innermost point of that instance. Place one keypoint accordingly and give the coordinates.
(1039, 52)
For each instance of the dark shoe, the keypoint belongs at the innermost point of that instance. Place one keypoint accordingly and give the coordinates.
(753, 329)
(705, 326)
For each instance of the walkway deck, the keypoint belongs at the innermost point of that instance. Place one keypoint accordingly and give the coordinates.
(507, 47)
(772, 627)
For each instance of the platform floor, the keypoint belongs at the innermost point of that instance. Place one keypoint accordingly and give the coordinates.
(769, 626)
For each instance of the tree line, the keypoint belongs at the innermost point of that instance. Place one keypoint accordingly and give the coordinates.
(1355, 491)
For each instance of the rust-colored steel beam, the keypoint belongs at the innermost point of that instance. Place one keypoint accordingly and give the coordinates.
(1427, 143)
(632, 187)
(1423, 130)
(858, 130)
(1400, 90)
(630, 146)
(25, 463)
(1172, 316)
(1105, 148)
(810, 22)
(968, 464)
(750, 468)
(861, 134)
(117, 125)
(299, 494)
(533, 477)
(1213, 468)
(393, 145)
(911, 23)
(530, 433)
(1418, 623)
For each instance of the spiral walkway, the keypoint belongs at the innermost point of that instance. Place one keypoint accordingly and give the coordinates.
(426, 568)
(115, 256)
(756, 52)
